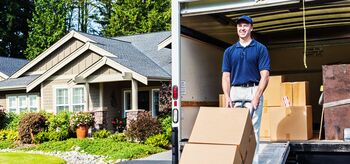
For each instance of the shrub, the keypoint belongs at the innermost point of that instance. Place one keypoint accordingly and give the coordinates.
(7, 144)
(143, 127)
(3, 119)
(8, 135)
(31, 124)
(159, 140)
(102, 134)
(165, 121)
(41, 137)
(11, 121)
(118, 137)
(81, 118)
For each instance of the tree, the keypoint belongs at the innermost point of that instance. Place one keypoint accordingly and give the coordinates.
(138, 16)
(47, 25)
(14, 26)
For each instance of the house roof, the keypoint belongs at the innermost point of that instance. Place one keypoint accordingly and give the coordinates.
(9, 66)
(148, 45)
(17, 83)
(135, 55)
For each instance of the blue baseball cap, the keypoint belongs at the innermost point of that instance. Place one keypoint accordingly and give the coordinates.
(245, 18)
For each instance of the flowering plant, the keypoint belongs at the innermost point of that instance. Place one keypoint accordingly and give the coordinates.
(119, 124)
(81, 118)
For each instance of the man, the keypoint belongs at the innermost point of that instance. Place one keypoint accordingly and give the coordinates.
(246, 66)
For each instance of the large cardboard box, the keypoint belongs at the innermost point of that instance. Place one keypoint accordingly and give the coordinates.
(209, 154)
(225, 126)
(250, 149)
(222, 100)
(265, 124)
(272, 92)
(296, 92)
(291, 123)
(286, 91)
(301, 93)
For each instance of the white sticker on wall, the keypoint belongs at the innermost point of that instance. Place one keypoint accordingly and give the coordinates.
(183, 87)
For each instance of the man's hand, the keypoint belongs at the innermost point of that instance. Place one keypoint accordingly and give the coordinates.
(255, 103)
(228, 102)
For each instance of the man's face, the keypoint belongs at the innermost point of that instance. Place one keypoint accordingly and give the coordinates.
(244, 29)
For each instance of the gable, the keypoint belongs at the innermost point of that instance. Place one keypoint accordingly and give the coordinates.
(79, 64)
(56, 56)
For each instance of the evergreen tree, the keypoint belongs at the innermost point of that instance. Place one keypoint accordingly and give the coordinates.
(138, 16)
(48, 25)
(14, 27)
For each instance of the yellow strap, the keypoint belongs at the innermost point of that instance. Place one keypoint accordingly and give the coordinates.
(304, 25)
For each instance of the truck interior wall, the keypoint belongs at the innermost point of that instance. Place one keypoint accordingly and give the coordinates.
(289, 62)
(201, 73)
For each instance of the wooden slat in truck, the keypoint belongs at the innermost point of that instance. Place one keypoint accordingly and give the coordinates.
(301, 36)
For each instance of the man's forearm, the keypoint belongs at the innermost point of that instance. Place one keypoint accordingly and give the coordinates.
(262, 84)
(226, 86)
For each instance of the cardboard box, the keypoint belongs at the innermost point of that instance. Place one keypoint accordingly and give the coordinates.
(296, 92)
(251, 149)
(272, 92)
(224, 126)
(286, 91)
(301, 93)
(222, 100)
(265, 124)
(292, 123)
(209, 154)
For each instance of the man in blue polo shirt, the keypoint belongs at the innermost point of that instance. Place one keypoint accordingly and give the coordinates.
(246, 66)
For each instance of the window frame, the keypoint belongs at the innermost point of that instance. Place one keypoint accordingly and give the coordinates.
(70, 97)
(17, 108)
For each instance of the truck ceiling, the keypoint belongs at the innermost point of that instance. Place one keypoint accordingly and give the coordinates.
(276, 22)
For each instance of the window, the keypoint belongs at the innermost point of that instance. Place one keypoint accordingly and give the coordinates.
(62, 100)
(33, 103)
(78, 99)
(22, 103)
(155, 102)
(144, 101)
(70, 99)
(12, 103)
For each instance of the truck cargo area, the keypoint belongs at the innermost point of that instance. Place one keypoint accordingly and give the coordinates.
(207, 28)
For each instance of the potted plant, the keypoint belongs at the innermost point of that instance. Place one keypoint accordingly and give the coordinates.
(80, 122)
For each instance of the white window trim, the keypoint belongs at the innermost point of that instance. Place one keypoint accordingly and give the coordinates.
(36, 103)
(152, 100)
(83, 94)
(25, 103)
(150, 90)
(27, 95)
(124, 102)
(70, 96)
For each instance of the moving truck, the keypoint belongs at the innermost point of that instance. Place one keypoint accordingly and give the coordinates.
(301, 35)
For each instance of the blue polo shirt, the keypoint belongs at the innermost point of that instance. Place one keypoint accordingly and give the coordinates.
(245, 63)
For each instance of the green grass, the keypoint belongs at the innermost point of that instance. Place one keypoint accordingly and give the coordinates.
(107, 147)
(16, 157)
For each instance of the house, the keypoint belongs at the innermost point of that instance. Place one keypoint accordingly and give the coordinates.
(82, 72)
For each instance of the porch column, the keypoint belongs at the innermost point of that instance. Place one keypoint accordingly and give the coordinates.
(87, 94)
(134, 95)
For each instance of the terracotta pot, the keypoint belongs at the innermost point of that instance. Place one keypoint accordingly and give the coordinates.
(82, 131)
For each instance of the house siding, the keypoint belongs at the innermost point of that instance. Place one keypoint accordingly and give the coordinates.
(94, 98)
(106, 70)
(47, 93)
(58, 55)
(79, 64)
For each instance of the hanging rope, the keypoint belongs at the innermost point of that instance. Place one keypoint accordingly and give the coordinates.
(304, 25)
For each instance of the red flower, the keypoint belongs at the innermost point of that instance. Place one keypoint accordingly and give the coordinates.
(113, 122)
(121, 122)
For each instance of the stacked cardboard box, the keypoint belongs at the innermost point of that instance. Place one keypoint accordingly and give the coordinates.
(220, 135)
(336, 82)
(287, 103)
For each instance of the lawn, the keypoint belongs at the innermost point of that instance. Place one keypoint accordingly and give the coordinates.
(17, 157)
(106, 147)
